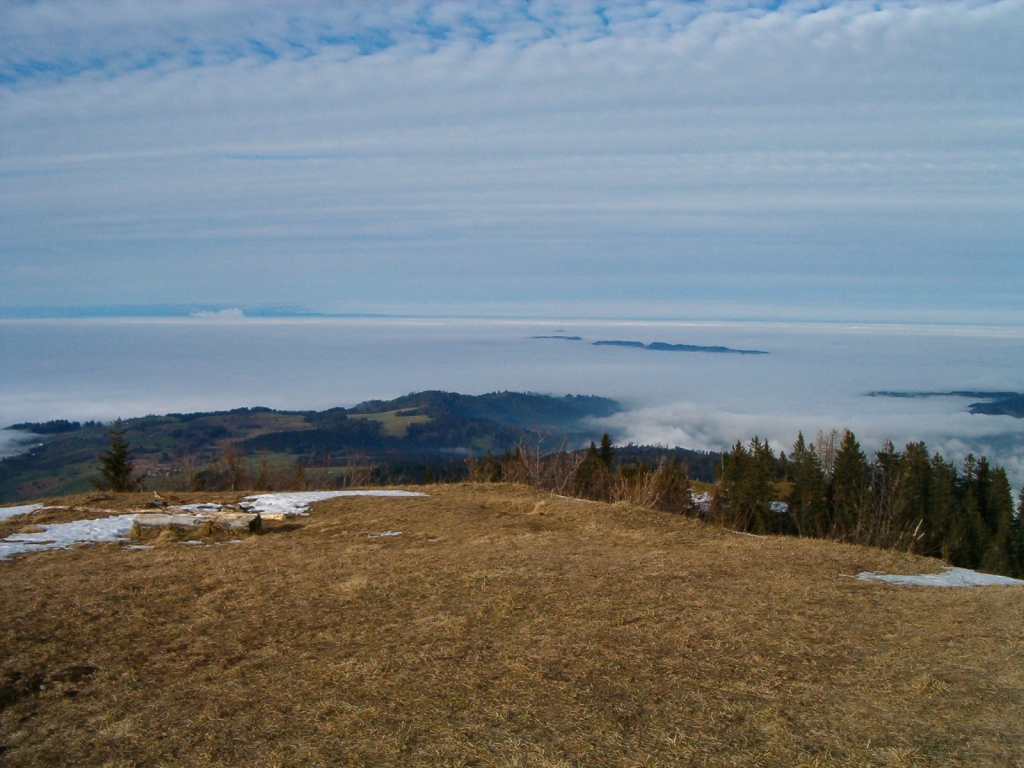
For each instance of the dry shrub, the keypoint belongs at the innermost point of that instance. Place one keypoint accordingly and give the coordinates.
(529, 465)
(359, 472)
(581, 475)
(666, 488)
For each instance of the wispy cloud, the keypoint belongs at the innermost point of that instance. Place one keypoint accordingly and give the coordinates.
(357, 156)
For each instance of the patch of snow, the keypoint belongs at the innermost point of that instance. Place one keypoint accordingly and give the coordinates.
(383, 534)
(138, 546)
(24, 509)
(292, 504)
(193, 543)
(232, 541)
(200, 507)
(63, 535)
(779, 507)
(702, 501)
(951, 577)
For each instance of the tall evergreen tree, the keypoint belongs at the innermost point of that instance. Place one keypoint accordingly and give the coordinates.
(999, 555)
(745, 490)
(968, 533)
(914, 493)
(883, 524)
(605, 452)
(729, 505)
(116, 466)
(807, 503)
(850, 488)
(1018, 537)
(762, 488)
(943, 510)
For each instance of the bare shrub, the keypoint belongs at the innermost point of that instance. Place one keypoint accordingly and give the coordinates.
(262, 481)
(359, 471)
(554, 472)
(586, 474)
(234, 470)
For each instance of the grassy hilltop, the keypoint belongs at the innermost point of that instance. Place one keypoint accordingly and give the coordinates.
(503, 627)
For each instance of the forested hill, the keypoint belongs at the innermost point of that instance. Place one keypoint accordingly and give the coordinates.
(420, 428)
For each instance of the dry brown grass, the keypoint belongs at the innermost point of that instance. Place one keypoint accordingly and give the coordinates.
(508, 628)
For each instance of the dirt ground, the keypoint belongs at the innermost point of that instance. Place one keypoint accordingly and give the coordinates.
(503, 627)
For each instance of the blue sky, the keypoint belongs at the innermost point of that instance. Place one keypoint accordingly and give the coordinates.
(807, 161)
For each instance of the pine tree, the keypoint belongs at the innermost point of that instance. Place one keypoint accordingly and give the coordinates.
(915, 495)
(605, 452)
(1018, 538)
(727, 505)
(116, 466)
(968, 534)
(883, 522)
(1000, 554)
(943, 509)
(807, 507)
(745, 491)
(850, 488)
(761, 490)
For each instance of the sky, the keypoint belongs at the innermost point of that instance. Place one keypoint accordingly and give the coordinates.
(836, 161)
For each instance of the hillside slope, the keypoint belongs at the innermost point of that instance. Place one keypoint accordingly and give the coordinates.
(502, 627)
(406, 434)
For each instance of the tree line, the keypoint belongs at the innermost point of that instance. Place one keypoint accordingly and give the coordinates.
(907, 500)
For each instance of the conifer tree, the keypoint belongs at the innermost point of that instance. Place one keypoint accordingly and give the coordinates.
(968, 533)
(116, 466)
(807, 507)
(914, 494)
(605, 452)
(1018, 538)
(762, 490)
(850, 488)
(728, 504)
(745, 490)
(1000, 555)
(944, 509)
(906, 501)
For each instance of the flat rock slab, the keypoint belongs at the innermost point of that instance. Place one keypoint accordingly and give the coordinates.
(230, 521)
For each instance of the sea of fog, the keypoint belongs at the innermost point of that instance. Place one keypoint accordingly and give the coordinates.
(814, 377)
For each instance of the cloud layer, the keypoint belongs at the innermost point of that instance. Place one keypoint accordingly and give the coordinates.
(741, 159)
